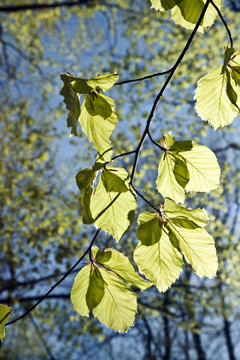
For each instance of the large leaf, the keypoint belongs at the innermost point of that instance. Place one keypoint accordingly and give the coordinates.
(188, 12)
(187, 218)
(118, 306)
(163, 5)
(98, 120)
(113, 211)
(169, 178)
(120, 264)
(85, 179)
(198, 248)
(72, 103)
(161, 262)
(149, 231)
(213, 103)
(5, 312)
(114, 178)
(87, 290)
(204, 171)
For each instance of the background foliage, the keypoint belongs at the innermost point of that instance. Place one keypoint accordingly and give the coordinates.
(40, 221)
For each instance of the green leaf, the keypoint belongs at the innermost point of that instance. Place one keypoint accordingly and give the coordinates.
(163, 5)
(180, 171)
(177, 146)
(5, 312)
(227, 57)
(103, 82)
(120, 264)
(112, 180)
(80, 289)
(169, 177)
(100, 82)
(96, 289)
(98, 120)
(198, 248)
(85, 179)
(72, 103)
(234, 68)
(118, 306)
(187, 218)
(149, 231)
(213, 103)
(204, 171)
(111, 210)
(161, 262)
(188, 12)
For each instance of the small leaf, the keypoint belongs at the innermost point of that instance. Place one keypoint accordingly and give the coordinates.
(213, 103)
(103, 82)
(80, 289)
(198, 248)
(161, 262)
(149, 231)
(177, 146)
(72, 103)
(5, 312)
(111, 210)
(112, 181)
(85, 179)
(120, 264)
(204, 171)
(187, 218)
(96, 289)
(180, 171)
(166, 182)
(118, 306)
(98, 120)
(163, 5)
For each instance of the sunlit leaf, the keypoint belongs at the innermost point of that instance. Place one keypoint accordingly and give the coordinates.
(111, 210)
(98, 120)
(149, 231)
(198, 248)
(118, 306)
(80, 289)
(120, 264)
(161, 262)
(204, 171)
(163, 5)
(96, 288)
(113, 181)
(187, 218)
(103, 82)
(213, 103)
(5, 312)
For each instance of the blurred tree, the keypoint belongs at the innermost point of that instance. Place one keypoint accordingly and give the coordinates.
(41, 230)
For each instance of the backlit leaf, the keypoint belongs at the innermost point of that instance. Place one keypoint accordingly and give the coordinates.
(149, 231)
(120, 264)
(118, 306)
(5, 312)
(161, 262)
(213, 103)
(198, 248)
(112, 180)
(80, 289)
(98, 120)
(96, 288)
(163, 5)
(112, 210)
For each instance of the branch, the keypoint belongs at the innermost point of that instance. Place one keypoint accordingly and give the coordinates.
(223, 21)
(154, 142)
(57, 283)
(144, 78)
(17, 8)
(159, 95)
(144, 199)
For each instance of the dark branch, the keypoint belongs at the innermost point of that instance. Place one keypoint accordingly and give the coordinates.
(57, 283)
(144, 78)
(223, 21)
(17, 8)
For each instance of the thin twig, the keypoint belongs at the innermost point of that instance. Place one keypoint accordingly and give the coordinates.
(123, 154)
(159, 95)
(144, 78)
(154, 142)
(142, 197)
(57, 283)
(223, 21)
(17, 8)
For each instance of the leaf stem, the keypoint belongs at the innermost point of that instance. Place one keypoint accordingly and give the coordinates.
(57, 283)
(223, 21)
(144, 199)
(154, 142)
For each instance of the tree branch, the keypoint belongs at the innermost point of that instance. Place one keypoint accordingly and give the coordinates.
(223, 21)
(57, 283)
